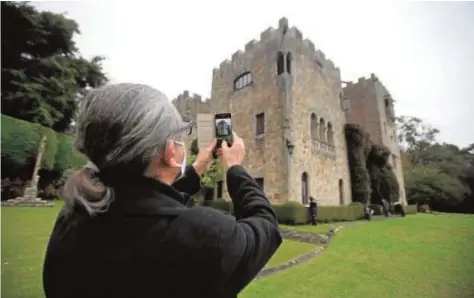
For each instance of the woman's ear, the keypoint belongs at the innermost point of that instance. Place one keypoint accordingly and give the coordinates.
(169, 155)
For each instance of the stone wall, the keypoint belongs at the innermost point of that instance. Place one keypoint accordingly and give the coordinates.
(316, 105)
(372, 107)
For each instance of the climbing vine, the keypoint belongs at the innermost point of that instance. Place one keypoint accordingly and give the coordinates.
(357, 140)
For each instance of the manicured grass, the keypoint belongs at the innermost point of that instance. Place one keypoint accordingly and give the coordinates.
(417, 256)
(288, 251)
(25, 233)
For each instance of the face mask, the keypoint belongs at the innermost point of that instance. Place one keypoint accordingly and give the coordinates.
(183, 164)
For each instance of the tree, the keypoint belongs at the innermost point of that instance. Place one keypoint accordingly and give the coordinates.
(383, 181)
(42, 71)
(415, 136)
(435, 173)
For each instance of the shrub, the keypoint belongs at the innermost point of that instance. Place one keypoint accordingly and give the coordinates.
(350, 212)
(13, 188)
(291, 213)
(411, 209)
(20, 142)
(424, 208)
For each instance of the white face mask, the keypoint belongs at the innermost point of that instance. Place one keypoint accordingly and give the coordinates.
(183, 164)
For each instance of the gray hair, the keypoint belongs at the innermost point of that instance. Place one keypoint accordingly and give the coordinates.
(116, 125)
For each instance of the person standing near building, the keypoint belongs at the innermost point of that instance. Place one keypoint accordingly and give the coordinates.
(313, 209)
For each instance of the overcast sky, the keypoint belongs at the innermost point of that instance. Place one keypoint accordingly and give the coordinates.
(423, 52)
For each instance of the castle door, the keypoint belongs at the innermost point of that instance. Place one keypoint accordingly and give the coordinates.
(304, 188)
(341, 192)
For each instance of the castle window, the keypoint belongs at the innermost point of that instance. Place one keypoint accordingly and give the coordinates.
(314, 127)
(280, 63)
(243, 80)
(219, 189)
(288, 62)
(260, 124)
(330, 134)
(322, 130)
(341, 101)
(260, 182)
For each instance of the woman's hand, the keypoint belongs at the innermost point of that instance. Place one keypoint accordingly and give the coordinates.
(204, 158)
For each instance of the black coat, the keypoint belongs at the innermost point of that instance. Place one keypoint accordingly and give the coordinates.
(313, 208)
(150, 245)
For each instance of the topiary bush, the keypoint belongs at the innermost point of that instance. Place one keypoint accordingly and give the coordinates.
(20, 143)
(357, 141)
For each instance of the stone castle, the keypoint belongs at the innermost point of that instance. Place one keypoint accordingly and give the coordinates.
(288, 104)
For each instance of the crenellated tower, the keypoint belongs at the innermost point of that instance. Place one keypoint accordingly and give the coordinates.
(286, 102)
(370, 105)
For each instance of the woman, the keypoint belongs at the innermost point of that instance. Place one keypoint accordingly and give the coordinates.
(125, 231)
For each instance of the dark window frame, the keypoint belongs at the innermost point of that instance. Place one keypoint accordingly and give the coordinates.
(243, 80)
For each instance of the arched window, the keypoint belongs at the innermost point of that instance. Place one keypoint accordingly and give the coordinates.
(314, 127)
(289, 57)
(280, 63)
(304, 188)
(330, 134)
(341, 192)
(322, 130)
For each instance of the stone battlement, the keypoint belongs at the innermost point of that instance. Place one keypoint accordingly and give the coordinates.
(185, 97)
(307, 47)
(362, 80)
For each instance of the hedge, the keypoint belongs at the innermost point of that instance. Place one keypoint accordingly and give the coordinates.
(21, 139)
(411, 209)
(293, 213)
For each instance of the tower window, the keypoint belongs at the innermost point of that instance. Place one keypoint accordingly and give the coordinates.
(260, 124)
(243, 80)
(288, 62)
(280, 63)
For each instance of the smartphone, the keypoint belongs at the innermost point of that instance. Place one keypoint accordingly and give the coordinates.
(223, 125)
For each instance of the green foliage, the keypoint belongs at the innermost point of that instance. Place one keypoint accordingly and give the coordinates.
(212, 175)
(294, 213)
(357, 141)
(384, 183)
(20, 142)
(42, 70)
(429, 184)
(411, 209)
(291, 213)
(350, 212)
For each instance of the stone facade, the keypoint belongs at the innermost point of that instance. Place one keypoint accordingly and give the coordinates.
(286, 101)
(369, 104)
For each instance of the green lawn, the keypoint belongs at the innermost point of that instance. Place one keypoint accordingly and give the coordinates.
(420, 256)
(288, 251)
(25, 232)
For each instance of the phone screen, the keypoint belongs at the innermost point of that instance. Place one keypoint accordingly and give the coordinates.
(223, 128)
